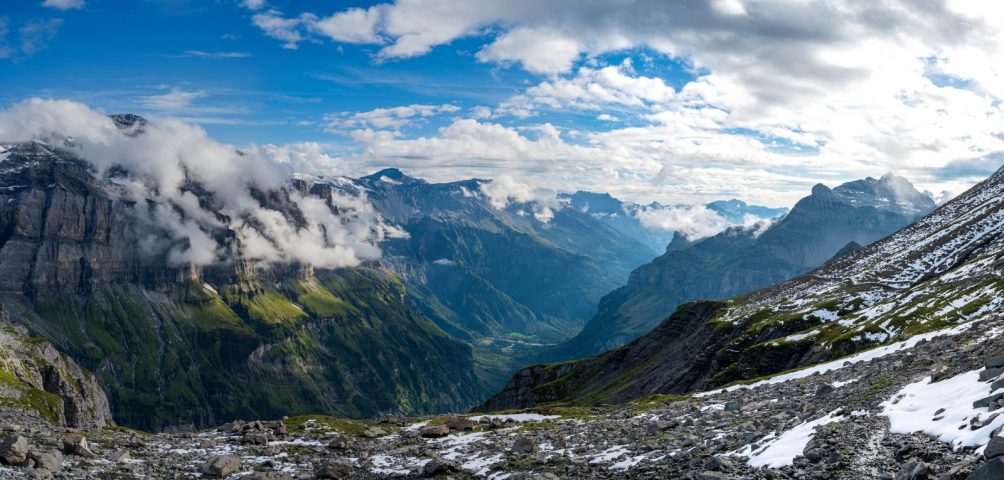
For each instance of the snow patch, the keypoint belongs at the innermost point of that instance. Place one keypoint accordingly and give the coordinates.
(779, 451)
(913, 409)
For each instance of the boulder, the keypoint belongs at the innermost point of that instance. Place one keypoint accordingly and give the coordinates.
(373, 432)
(76, 444)
(992, 470)
(335, 468)
(995, 448)
(120, 456)
(14, 450)
(435, 431)
(338, 442)
(438, 466)
(220, 466)
(995, 362)
(51, 461)
(912, 471)
(524, 445)
(461, 424)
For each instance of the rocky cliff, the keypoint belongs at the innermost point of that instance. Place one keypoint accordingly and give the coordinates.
(39, 382)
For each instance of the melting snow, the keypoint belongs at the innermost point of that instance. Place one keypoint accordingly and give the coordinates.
(778, 451)
(913, 409)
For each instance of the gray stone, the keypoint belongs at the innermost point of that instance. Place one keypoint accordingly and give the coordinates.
(374, 432)
(912, 471)
(991, 373)
(220, 465)
(120, 456)
(524, 445)
(338, 442)
(51, 461)
(995, 362)
(336, 468)
(992, 470)
(461, 424)
(435, 431)
(438, 466)
(995, 448)
(76, 444)
(14, 450)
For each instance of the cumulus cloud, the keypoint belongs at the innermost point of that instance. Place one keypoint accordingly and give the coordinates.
(384, 118)
(538, 50)
(165, 158)
(64, 4)
(504, 191)
(833, 90)
(289, 30)
(693, 222)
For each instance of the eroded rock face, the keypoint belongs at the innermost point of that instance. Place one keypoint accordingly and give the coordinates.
(49, 385)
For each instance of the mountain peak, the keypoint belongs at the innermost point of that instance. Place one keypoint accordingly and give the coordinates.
(392, 176)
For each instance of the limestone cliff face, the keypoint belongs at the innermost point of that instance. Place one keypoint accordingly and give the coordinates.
(38, 381)
(199, 345)
(59, 230)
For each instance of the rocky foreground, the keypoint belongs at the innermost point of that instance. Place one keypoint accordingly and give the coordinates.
(928, 407)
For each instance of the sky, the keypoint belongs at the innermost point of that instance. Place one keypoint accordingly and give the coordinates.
(676, 102)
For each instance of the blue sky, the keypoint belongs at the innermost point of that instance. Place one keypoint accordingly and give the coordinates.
(649, 100)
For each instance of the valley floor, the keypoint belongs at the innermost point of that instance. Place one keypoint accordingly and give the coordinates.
(874, 415)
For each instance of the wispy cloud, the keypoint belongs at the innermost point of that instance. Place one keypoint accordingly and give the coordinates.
(205, 54)
(64, 4)
(174, 100)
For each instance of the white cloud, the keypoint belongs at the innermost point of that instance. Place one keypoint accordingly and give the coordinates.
(253, 4)
(539, 50)
(289, 30)
(818, 90)
(35, 35)
(169, 154)
(64, 4)
(384, 118)
(355, 25)
(205, 54)
(174, 100)
(693, 222)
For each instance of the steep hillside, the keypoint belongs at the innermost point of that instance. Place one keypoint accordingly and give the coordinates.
(947, 268)
(177, 344)
(743, 259)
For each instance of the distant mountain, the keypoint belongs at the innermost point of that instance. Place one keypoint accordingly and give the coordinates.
(483, 272)
(739, 212)
(743, 259)
(624, 216)
(940, 271)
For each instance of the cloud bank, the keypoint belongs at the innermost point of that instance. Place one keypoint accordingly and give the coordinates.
(775, 94)
(185, 184)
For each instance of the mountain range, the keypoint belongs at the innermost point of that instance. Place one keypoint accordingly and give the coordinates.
(102, 269)
(742, 259)
(941, 271)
